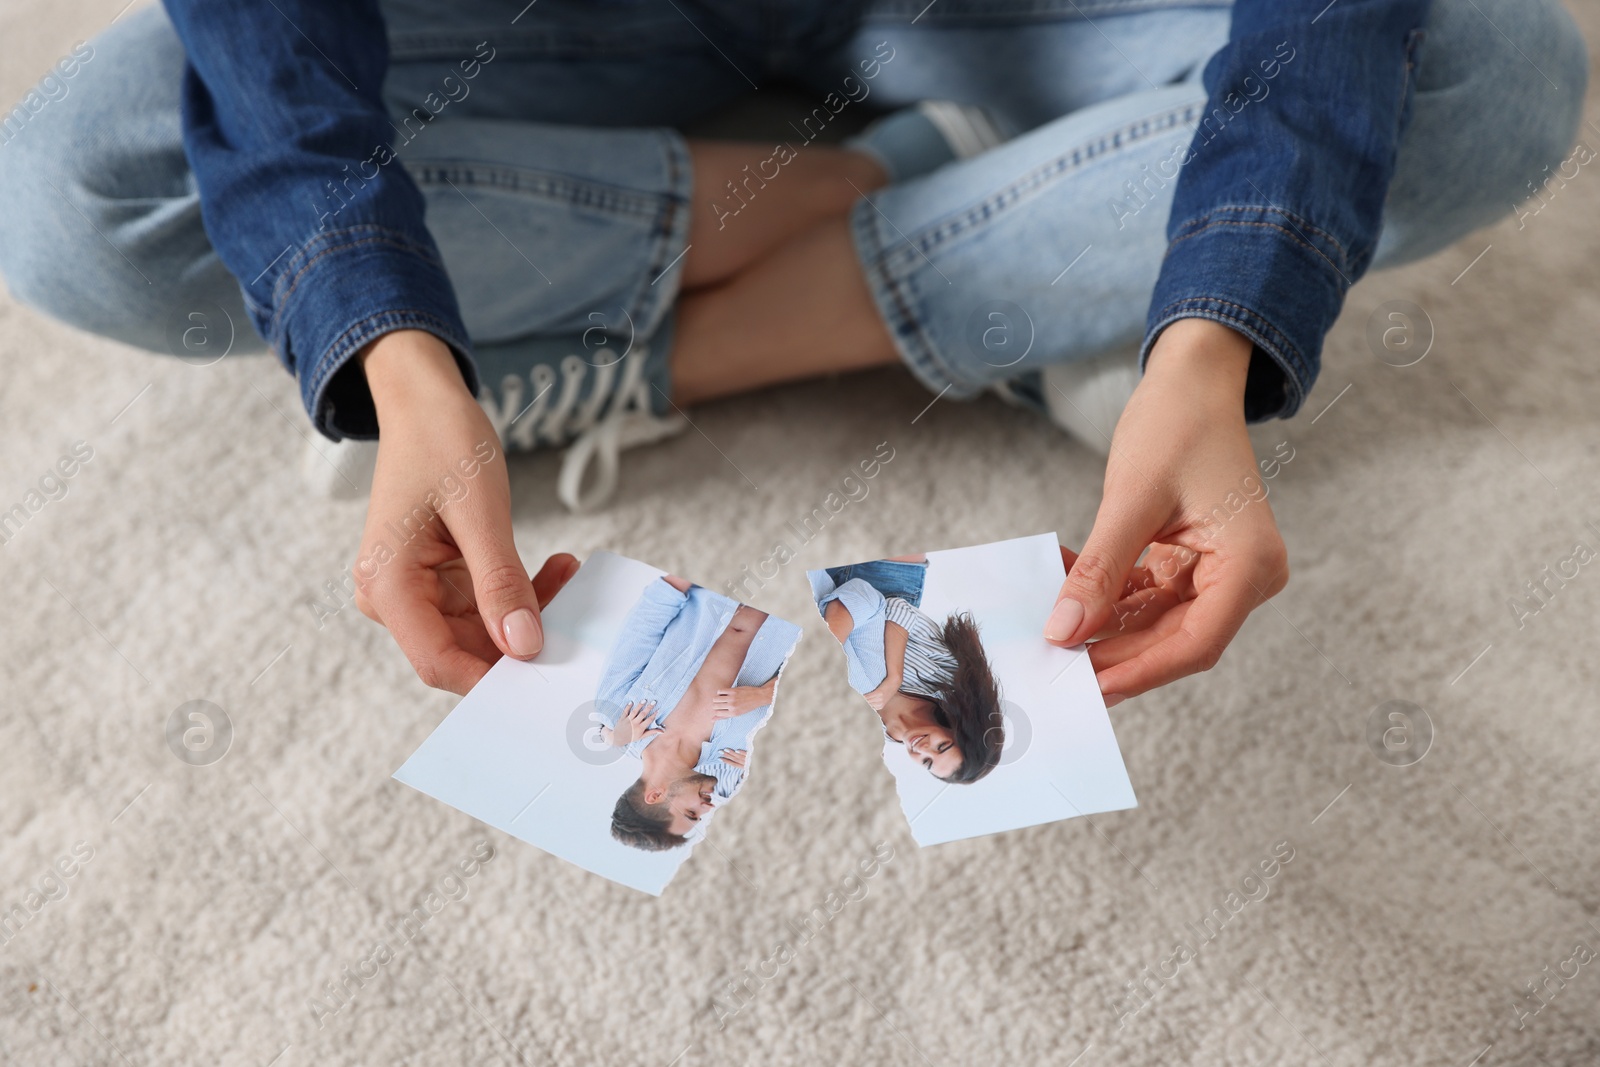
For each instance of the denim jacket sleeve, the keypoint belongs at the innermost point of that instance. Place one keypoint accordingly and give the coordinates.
(1280, 199)
(285, 129)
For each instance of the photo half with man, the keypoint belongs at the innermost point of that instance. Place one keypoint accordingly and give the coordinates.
(986, 726)
(616, 746)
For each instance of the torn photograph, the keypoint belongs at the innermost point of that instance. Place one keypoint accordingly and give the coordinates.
(615, 747)
(986, 726)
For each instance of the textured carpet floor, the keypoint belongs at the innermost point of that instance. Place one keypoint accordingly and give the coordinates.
(217, 902)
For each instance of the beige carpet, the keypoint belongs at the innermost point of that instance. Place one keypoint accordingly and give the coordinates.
(217, 901)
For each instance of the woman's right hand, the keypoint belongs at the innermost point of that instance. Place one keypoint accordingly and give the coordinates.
(438, 564)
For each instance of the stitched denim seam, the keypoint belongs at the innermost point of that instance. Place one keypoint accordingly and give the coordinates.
(1066, 163)
(380, 235)
(1279, 347)
(669, 207)
(1245, 313)
(334, 358)
(572, 192)
(1295, 395)
(1300, 223)
(1340, 268)
(893, 290)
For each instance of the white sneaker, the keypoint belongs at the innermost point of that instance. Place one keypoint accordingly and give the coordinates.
(339, 470)
(600, 410)
(920, 139)
(630, 421)
(1085, 397)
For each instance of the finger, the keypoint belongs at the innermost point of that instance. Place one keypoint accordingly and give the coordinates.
(480, 525)
(1114, 650)
(1171, 566)
(1194, 644)
(365, 605)
(556, 573)
(1126, 523)
(1139, 577)
(455, 590)
(1137, 612)
(425, 637)
(467, 630)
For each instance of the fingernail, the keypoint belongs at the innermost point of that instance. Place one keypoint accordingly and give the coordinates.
(1113, 699)
(1064, 620)
(523, 635)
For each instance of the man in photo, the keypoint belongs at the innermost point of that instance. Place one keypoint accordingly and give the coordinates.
(691, 677)
(930, 683)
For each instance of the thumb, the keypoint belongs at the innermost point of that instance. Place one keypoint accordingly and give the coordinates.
(506, 599)
(1097, 576)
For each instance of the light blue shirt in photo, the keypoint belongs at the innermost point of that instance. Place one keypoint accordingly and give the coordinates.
(662, 646)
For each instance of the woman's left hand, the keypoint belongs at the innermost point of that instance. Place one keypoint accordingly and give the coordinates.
(741, 699)
(735, 758)
(636, 721)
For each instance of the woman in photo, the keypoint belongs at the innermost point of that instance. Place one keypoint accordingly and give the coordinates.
(930, 683)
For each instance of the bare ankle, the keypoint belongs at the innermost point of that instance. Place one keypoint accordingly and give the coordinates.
(842, 176)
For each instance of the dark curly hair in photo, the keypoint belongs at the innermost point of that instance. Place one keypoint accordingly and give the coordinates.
(968, 704)
(643, 826)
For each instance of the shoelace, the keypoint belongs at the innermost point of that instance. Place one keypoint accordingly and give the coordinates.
(551, 420)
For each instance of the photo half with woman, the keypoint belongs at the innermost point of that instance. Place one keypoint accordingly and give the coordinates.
(929, 681)
(946, 648)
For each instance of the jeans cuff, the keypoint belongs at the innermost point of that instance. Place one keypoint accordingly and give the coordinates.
(659, 286)
(894, 292)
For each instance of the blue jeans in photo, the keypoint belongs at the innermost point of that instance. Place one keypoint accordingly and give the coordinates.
(892, 578)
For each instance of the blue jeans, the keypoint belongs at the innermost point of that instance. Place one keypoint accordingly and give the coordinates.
(892, 578)
(569, 144)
